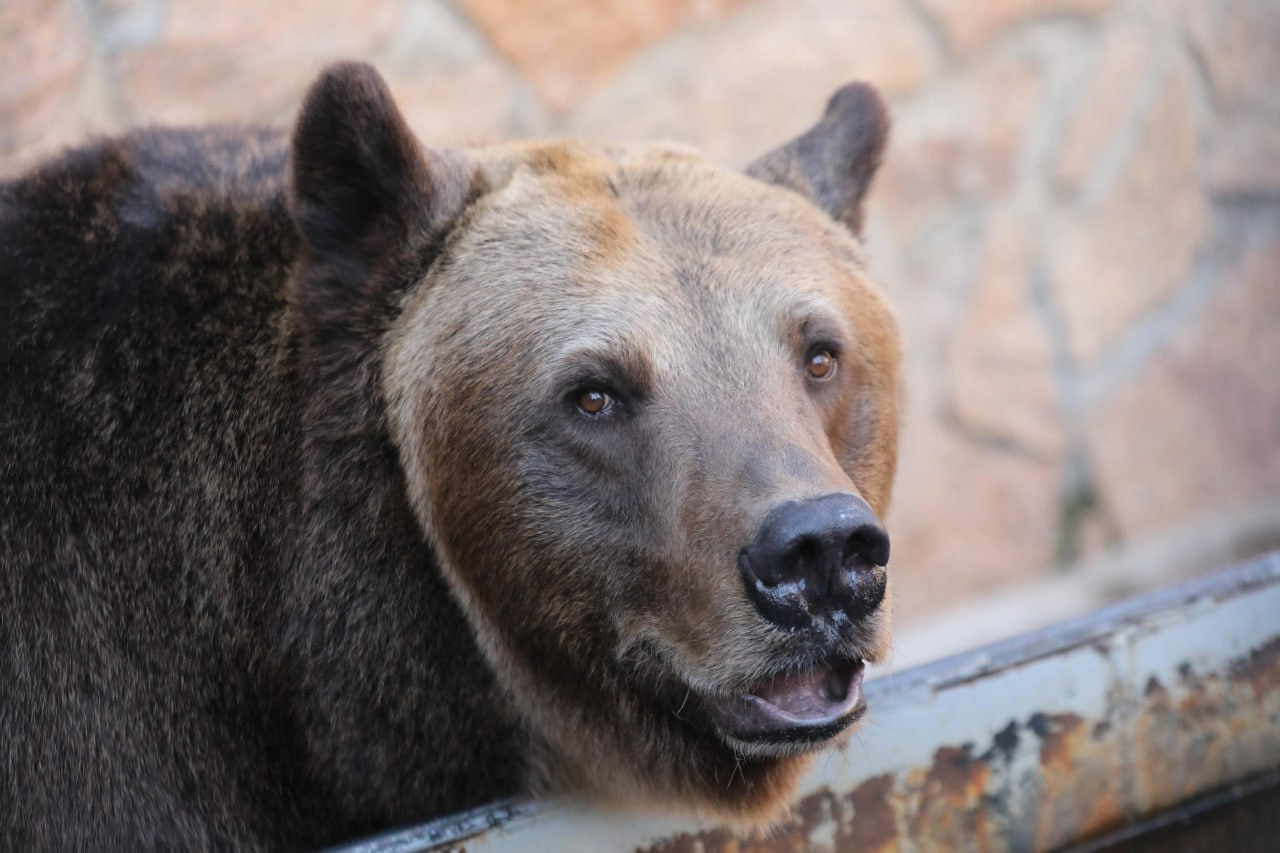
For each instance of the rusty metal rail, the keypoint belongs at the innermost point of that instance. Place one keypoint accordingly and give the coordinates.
(1049, 739)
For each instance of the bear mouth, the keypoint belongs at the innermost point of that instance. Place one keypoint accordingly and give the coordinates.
(793, 711)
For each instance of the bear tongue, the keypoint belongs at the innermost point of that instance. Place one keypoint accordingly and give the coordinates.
(811, 694)
(803, 707)
(805, 694)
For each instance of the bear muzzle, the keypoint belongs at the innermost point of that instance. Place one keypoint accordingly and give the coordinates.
(815, 575)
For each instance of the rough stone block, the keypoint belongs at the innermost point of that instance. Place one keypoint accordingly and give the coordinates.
(1238, 42)
(1117, 260)
(967, 519)
(567, 49)
(1197, 432)
(959, 145)
(749, 84)
(451, 86)
(44, 59)
(969, 25)
(1243, 158)
(1001, 365)
(1125, 65)
(243, 60)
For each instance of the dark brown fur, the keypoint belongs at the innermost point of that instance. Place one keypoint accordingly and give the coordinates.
(299, 537)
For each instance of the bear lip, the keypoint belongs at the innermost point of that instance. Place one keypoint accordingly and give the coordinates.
(808, 706)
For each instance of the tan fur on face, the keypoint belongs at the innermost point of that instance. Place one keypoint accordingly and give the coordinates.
(617, 570)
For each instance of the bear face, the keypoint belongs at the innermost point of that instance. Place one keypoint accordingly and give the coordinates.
(618, 287)
(646, 413)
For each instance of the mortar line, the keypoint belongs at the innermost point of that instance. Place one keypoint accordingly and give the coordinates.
(1234, 233)
(554, 122)
(939, 43)
(1125, 143)
(104, 54)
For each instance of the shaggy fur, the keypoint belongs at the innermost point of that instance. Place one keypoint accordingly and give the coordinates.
(301, 533)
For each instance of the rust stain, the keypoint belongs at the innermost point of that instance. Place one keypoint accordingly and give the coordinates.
(955, 772)
(950, 796)
(874, 827)
(1082, 786)
(1196, 732)
(1055, 732)
(864, 820)
(1206, 728)
(1260, 670)
(709, 841)
(817, 812)
(819, 818)
(1157, 744)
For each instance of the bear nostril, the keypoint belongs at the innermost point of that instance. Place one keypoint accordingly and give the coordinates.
(790, 565)
(865, 549)
(756, 573)
(804, 555)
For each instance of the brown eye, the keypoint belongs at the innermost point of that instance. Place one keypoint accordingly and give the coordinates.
(595, 402)
(820, 364)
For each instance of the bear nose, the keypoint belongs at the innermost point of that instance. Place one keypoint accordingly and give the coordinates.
(820, 557)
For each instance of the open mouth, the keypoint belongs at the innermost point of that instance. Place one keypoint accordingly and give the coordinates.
(806, 707)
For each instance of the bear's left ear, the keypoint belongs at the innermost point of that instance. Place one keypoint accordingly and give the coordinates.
(364, 192)
(832, 164)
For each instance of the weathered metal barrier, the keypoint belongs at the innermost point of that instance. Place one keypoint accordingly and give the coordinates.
(1135, 720)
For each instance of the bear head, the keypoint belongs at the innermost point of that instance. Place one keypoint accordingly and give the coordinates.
(646, 412)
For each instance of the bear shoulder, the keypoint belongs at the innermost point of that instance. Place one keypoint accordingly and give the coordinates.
(160, 240)
(120, 204)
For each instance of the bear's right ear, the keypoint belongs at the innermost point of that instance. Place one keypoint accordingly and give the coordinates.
(363, 191)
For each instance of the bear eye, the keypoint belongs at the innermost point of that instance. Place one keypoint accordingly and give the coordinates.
(595, 403)
(820, 364)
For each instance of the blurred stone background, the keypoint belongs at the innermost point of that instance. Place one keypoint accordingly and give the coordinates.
(1079, 221)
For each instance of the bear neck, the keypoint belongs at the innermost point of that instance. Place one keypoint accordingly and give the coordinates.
(367, 619)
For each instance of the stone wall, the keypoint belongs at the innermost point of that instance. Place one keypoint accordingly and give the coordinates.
(1079, 219)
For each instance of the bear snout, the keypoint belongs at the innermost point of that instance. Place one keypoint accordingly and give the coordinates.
(817, 559)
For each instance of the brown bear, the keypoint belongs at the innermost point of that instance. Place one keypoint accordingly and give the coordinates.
(346, 481)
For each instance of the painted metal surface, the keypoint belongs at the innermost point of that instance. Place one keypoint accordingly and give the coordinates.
(1035, 743)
